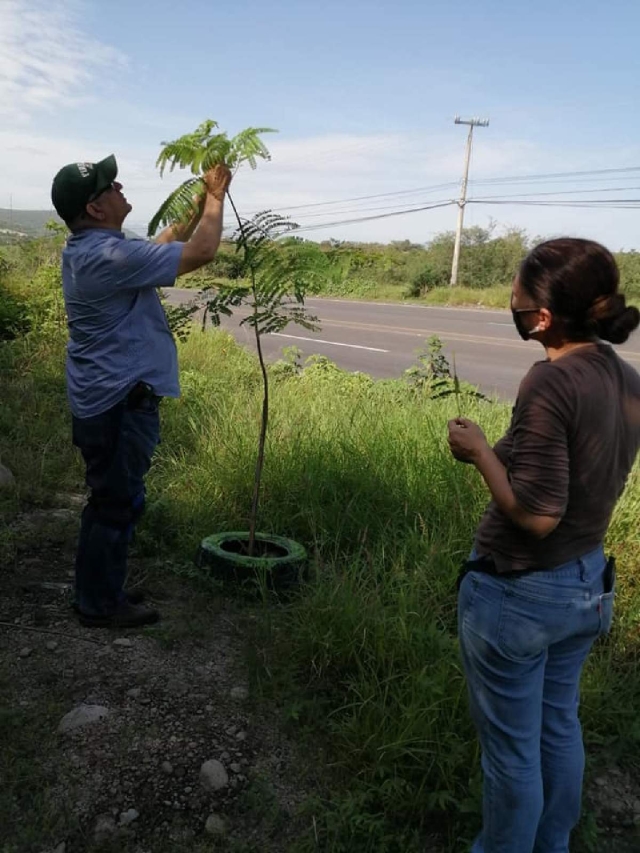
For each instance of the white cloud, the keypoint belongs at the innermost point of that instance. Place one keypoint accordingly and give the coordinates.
(323, 169)
(47, 61)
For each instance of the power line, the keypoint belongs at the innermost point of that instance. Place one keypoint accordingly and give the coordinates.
(563, 192)
(432, 188)
(592, 204)
(375, 208)
(589, 174)
(553, 175)
(370, 218)
(599, 204)
(411, 205)
(619, 203)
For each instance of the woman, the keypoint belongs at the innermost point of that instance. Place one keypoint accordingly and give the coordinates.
(538, 589)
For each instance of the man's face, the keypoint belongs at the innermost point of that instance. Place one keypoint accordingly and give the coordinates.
(111, 207)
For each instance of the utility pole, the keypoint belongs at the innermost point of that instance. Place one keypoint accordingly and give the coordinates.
(472, 122)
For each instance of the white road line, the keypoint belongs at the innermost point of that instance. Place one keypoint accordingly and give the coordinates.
(332, 343)
(479, 309)
(500, 324)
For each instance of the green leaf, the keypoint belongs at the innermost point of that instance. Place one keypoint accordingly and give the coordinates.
(178, 206)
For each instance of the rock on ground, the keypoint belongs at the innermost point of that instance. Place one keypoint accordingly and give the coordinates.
(215, 825)
(83, 715)
(213, 776)
(7, 480)
(105, 829)
(128, 817)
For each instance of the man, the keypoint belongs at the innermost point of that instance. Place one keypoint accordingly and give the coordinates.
(121, 360)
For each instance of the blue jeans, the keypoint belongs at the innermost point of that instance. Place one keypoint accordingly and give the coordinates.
(524, 641)
(117, 447)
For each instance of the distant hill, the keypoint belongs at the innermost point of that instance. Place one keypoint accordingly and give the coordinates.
(21, 224)
(28, 223)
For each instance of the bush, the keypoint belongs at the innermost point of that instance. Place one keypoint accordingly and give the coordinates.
(14, 319)
(227, 264)
(423, 282)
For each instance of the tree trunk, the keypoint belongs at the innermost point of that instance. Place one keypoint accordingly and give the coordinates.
(255, 502)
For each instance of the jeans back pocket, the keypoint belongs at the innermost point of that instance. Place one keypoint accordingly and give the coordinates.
(605, 601)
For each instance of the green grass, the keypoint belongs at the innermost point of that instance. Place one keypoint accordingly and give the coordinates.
(457, 297)
(35, 424)
(374, 291)
(484, 297)
(364, 661)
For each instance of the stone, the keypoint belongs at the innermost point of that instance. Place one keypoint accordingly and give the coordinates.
(213, 776)
(71, 500)
(215, 825)
(239, 693)
(167, 767)
(128, 817)
(235, 768)
(7, 480)
(83, 715)
(51, 646)
(241, 736)
(134, 693)
(124, 642)
(105, 829)
(24, 653)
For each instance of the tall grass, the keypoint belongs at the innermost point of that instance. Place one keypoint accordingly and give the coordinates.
(360, 472)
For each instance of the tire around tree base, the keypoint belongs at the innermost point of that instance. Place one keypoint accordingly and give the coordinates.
(283, 569)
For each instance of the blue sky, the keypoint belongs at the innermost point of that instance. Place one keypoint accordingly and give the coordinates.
(363, 95)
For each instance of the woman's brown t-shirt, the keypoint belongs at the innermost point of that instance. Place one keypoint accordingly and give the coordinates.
(572, 442)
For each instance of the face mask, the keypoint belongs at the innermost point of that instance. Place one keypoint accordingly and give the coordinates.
(524, 333)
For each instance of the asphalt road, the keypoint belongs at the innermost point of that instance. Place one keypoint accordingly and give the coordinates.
(382, 339)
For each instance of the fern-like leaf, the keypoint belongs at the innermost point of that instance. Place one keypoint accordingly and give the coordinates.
(200, 151)
(178, 206)
(203, 149)
(182, 151)
(247, 147)
(223, 301)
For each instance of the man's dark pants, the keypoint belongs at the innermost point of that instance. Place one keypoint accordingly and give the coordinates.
(117, 447)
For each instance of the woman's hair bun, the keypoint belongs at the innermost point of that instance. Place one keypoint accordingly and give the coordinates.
(612, 319)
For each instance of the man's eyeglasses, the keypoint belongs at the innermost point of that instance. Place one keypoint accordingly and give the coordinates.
(106, 189)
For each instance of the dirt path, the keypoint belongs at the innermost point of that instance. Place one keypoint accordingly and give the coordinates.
(173, 697)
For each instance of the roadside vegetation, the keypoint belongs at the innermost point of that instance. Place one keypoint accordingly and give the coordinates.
(405, 271)
(362, 661)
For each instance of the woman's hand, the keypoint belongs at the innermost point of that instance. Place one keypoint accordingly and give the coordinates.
(467, 442)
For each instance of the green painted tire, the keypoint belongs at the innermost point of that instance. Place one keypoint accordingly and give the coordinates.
(278, 571)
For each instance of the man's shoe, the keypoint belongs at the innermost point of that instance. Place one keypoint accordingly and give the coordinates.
(126, 616)
(134, 596)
